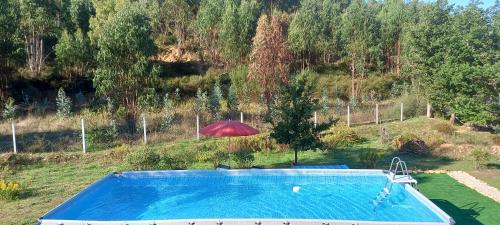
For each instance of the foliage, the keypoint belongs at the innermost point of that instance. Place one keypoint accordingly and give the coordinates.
(293, 125)
(63, 104)
(270, 59)
(369, 157)
(243, 88)
(341, 136)
(123, 71)
(325, 104)
(200, 102)
(480, 158)
(9, 110)
(74, 55)
(80, 12)
(176, 159)
(443, 127)
(168, 113)
(143, 159)
(410, 143)
(102, 137)
(232, 99)
(305, 30)
(215, 101)
(244, 157)
(9, 190)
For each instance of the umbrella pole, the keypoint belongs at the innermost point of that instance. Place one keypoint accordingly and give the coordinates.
(229, 151)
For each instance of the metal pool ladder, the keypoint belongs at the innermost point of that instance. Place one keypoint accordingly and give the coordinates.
(398, 166)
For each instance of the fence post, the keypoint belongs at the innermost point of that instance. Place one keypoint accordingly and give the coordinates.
(428, 110)
(14, 137)
(376, 114)
(315, 119)
(241, 117)
(83, 137)
(348, 116)
(401, 116)
(197, 127)
(145, 129)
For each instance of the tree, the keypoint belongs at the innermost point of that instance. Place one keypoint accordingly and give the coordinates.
(392, 20)
(214, 103)
(81, 11)
(229, 34)
(359, 32)
(305, 30)
(10, 43)
(331, 17)
(63, 104)
(104, 10)
(270, 59)
(248, 14)
(74, 55)
(200, 102)
(36, 25)
(294, 112)
(124, 72)
(208, 25)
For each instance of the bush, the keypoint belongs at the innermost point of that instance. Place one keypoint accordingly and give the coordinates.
(168, 114)
(244, 157)
(9, 190)
(341, 136)
(219, 157)
(144, 159)
(410, 143)
(103, 137)
(443, 127)
(369, 158)
(480, 158)
(261, 142)
(176, 159)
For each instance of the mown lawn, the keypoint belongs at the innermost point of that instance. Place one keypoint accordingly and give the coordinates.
(465, 205)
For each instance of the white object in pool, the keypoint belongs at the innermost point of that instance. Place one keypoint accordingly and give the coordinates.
(296, 188)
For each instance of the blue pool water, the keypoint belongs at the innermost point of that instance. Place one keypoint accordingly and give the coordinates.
(227, 194)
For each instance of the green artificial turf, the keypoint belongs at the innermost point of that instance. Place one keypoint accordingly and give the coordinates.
(466, 206)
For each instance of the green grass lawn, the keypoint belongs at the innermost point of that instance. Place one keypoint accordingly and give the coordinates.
(465, 205)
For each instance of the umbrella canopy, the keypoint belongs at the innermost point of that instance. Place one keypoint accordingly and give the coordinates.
(228, 129)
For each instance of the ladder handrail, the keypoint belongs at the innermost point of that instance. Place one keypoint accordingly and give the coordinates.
(392, 163)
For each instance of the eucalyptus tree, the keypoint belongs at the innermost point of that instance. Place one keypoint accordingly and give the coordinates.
(305, 30)
(331, 17)
(229, 32)
(81, 11)
(208, 22)
(74, 54)
(392, 18)
(124, 72)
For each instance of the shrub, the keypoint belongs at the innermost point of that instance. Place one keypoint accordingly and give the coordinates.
(63, 104)
(102, 136)
(215, 101)
(219, 156)
(480, 158)
(443, 127)
(261, 142)
(9, 190)
(144, 159)
(341, 136)
(410, 143)
(176, 159)
(200, 102)
(369, 158)
(9, 111)
(244, 157)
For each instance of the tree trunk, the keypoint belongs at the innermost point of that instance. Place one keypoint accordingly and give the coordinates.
(353, 74)
(398, 62)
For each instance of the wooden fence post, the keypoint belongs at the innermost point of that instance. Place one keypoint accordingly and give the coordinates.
(241, 117)
(377, 121)
(348, 116)
(145, 129)
(14, 138)
(197, 127)
(83, 137)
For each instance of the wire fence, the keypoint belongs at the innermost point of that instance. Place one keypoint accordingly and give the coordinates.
(92, 133)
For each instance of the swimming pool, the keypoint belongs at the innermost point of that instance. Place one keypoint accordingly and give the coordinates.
(256, 197)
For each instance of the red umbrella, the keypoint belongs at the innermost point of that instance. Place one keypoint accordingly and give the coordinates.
(228, 129)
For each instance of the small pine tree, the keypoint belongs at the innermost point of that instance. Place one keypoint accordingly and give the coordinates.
(338, 106)
(9, 111)
(200, 102)
(215, 101)
(168, 113)
(325, 106)
(63, 104)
